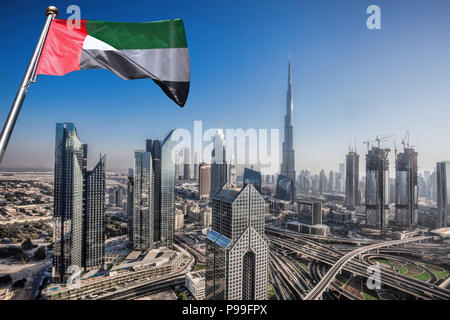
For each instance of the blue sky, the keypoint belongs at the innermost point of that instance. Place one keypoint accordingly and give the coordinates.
(348, 81)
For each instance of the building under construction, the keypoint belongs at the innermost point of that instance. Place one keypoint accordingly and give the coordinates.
(377, 188)
(406, 192)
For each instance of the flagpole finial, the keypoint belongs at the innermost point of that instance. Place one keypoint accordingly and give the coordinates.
(51, 10)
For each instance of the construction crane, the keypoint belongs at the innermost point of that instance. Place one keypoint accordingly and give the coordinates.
(395, 149)
(368, 142)
(379, 140)
(405, 140)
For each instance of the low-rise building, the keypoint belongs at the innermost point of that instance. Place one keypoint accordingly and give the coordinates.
(317, 229)
(195, 283)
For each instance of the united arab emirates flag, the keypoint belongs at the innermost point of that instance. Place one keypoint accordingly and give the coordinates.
(155, 50)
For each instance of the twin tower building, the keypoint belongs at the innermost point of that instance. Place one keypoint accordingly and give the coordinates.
(236, 247)
(79, 207)
(79, 203)
(151, 187)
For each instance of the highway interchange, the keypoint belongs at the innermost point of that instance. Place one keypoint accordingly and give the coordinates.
(292, 281)
(306, 267)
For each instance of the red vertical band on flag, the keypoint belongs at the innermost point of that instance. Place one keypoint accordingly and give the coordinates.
(62, 49)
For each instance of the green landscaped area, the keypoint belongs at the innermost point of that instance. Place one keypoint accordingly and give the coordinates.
(303, 263)
(370, 294)
(402, 269)
(272, 295)
(424, 276)
(200, 267)
(441, 274)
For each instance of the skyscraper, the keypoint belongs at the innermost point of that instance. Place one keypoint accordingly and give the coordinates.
(204, 182)
(236, 247)
(406, 192)
(68, 201)
(342, 177)
(154, 147)
(322, 182)
(331, 181)
(253, 177)
(79, 195)
(187, 164)
(196, 165)
(167, 191)
(153, 195)
(94, 217)
(130, 190)
(377, 188)
(219, 169)
(443, 193)
(288, 161)
(143, 229)
(285, 189)
(352, 196)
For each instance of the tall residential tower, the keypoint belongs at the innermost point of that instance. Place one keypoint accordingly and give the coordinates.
(352, 196)
(153, 195)
(219, 167)
(79, 207)
(443, 193)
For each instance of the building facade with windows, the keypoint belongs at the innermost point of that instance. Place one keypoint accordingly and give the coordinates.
(443, 194)
(406, 189)
(153, 195)
(79, 200)
(236, 247)
(352, 196)
(377, 188)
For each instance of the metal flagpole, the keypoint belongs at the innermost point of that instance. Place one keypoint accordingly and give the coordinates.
(51, 12)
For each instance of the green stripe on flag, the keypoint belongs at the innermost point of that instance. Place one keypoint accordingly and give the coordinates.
(147, 35)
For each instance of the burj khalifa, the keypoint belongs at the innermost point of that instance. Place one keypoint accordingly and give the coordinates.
(288, 160)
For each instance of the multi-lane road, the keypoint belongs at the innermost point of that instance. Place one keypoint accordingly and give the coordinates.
(314, 250)
(316, 292)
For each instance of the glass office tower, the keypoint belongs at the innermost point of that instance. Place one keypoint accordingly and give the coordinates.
(153, 195)
(68, 201)
(143, 201)
(253, 177)
(167, 191)
(130, 196)
(352, 197)
(285, 189)
(219, 167)
(443, 193)
(236, 247)
(154, 147)
(95, 216)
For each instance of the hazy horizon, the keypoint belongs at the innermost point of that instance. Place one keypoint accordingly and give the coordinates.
(348, 81)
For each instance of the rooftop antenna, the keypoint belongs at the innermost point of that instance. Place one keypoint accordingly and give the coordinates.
(350, 145)
(355, 144)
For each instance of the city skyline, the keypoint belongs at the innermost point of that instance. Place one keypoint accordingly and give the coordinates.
(305, 157)
(366, 75)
